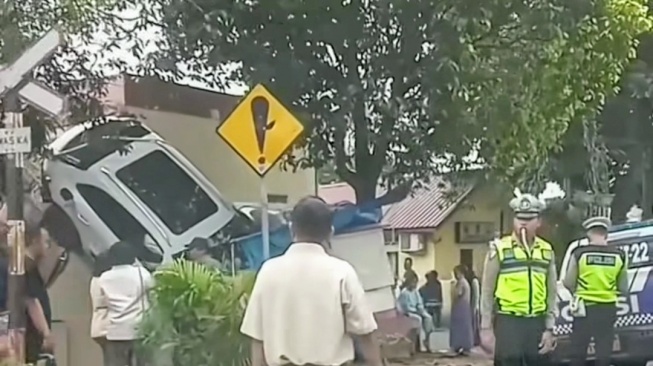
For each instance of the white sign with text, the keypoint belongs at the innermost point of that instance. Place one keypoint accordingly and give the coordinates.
(15, 140)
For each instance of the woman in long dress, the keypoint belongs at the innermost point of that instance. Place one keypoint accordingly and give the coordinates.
(461, 339)
(475, 286)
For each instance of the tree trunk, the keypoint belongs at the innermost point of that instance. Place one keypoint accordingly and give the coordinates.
(365, 190)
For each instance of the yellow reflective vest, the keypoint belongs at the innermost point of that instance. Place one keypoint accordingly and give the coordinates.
(598, 273)
(521, 287)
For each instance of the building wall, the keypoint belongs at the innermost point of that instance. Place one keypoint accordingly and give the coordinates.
(196, 138)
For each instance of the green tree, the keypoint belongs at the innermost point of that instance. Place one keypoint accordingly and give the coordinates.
(413, 84)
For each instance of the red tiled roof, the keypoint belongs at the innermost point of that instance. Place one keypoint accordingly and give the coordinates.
(428, 207)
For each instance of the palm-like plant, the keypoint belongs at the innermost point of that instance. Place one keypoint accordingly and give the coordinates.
(195, 316)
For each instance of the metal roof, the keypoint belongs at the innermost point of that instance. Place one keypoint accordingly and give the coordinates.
(428, 207)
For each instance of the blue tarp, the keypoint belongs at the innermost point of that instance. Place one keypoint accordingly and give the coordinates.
(347, 218)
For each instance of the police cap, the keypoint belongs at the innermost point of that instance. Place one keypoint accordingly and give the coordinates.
(526, 206)
(597, 221)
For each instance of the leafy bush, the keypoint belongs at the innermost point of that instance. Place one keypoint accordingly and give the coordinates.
(195, 317)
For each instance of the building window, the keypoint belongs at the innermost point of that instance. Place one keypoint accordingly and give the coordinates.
(404, 241)
(393, 258)
(474, 232)
(277, 198)
(168, 191)
(388, 237)
(467, 258)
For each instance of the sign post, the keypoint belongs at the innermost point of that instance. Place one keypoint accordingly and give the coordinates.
(261, 130)
(16, 88)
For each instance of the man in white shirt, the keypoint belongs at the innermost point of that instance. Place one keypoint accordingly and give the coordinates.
(124, 288)
(306, 305)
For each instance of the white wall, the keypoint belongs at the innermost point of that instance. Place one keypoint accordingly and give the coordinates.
(365, 250)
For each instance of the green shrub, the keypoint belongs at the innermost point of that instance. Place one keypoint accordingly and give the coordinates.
(195, 317)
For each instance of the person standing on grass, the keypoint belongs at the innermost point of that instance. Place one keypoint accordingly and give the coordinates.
(307, 306)
(124, 287)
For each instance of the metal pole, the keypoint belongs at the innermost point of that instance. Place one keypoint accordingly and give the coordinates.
(265, 222)
(16, 238)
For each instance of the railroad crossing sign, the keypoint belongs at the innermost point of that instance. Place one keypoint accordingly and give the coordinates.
(260, 130)
(16, 85)
(16, 77)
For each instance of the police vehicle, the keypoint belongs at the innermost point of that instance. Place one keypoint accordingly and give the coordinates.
(634, 326)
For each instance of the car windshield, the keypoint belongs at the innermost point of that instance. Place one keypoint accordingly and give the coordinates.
(168, 191)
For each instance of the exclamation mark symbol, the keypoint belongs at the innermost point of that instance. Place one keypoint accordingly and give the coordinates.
(260, 111)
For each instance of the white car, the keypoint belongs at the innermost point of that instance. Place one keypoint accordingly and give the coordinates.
(120, 181)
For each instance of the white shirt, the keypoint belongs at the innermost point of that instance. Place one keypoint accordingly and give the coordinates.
(99, 320)
(304, 307)
(125, 289)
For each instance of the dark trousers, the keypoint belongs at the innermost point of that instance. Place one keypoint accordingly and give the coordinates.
(102, 342)
(598, 322)
(518, 341)
(436, 313)
(121, 353)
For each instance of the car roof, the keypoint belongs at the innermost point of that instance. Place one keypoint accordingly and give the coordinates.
(631, 226)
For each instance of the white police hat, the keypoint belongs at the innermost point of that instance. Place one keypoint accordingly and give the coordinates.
(597, 221)
(526, 206)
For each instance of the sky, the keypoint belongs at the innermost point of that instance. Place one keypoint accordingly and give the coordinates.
(148, 36)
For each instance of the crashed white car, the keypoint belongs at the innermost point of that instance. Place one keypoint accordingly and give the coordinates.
(120, 181)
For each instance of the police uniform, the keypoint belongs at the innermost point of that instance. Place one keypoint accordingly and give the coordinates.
(518, 294)
(596, 274)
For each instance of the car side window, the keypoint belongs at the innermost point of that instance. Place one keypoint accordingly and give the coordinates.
(121, 223)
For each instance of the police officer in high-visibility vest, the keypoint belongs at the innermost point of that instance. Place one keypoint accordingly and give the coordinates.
(518, 293)
(595, 275)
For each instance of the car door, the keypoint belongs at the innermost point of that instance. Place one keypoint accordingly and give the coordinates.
(170, 191)
(93, 234)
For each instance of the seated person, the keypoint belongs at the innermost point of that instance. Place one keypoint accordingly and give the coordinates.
(410, 304)
(198, 251)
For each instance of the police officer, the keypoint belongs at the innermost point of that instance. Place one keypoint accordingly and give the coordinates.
(596, 274)
(518, 293)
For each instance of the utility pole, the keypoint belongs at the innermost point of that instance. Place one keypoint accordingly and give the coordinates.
(16, 88)
(15, 240)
